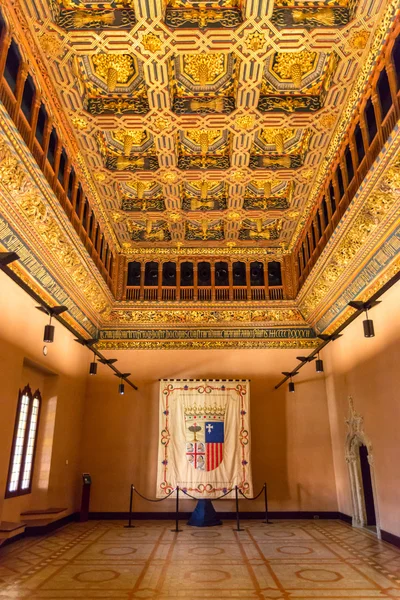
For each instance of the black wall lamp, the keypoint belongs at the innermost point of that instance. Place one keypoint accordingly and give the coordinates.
(48, 336)
(368, 324)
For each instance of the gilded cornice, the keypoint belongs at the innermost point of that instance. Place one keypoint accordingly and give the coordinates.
(370, 219)
(207, 345)
(28, 204)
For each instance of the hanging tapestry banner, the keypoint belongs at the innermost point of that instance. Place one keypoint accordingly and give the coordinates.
(204, 443)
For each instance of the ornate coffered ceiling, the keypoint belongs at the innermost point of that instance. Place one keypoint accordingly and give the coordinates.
(205, 123)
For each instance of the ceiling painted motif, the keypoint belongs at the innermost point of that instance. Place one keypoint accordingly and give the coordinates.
(204, 123)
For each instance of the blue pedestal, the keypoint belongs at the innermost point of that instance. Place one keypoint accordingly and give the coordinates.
(204, 515)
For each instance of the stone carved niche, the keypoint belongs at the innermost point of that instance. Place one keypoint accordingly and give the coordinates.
(356, 437)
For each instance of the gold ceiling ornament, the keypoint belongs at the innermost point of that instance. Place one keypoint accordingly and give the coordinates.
(174, 217)
(129, 138)
(162, 123)
(113, 68)
(307, 173)
(151, 43)
(324, 16)
(278, 137)
(123, 163)
(234, 215)
(196, 204)
(170, 177)
(255, 41)
(204, 69)
(51, 44)
(140, 187)
(99, 176)
(79, 122)
(117, 217)
(328, 120)
(294, 65)
(291, 215)
(203, 137)
(238, 175)
(245, 122)
(83, 18)
(359, 39)
(230, 244)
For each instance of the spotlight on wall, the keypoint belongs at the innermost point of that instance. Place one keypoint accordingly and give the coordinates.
(121, 386)
(368, 324)
(48, 336)
(93, 366)
(319, 365)
(291, 383)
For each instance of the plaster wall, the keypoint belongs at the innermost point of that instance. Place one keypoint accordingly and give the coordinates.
(61, 378)
(368, 370)
(291, 445)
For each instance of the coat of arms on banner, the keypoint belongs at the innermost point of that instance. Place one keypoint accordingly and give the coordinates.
(204, 439)
(204, 432)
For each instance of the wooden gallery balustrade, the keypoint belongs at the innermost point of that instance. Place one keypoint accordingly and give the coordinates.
(372, 123)
(204, 281)
(21, 96)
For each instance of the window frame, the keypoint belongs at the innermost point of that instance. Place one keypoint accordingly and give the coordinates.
(31, 398)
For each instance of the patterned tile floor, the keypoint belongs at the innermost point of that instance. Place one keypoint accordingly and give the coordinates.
(286, 560)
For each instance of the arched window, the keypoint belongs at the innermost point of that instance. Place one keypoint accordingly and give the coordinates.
(24, 443)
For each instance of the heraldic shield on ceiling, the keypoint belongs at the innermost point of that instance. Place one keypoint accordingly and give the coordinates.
(204, 440)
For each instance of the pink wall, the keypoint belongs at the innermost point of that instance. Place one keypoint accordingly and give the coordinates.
(63, 375)
(291, 446)
(368, 369)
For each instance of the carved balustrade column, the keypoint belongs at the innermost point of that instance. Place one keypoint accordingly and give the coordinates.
(19, 89)
(159, 271)
(248, 282)
(4, 46)
(230, 276)
(34, 117)
(178, 280)
(213, 280)
(195, 279)
(392, 77)
(46, 140)
(365, 136)
(142, 272)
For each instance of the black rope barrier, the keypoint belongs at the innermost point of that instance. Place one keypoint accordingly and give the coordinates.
(178, 489)
(134, 490)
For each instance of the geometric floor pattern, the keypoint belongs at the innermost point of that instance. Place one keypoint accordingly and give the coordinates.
(286, 560)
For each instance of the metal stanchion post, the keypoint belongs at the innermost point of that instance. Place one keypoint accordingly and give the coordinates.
(237, 509)
(130, 508)
(266, 505)
(177, 530)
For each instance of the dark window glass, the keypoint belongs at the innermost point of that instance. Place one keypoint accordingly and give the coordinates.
(107, 256)
(52, 147)
(257, 273)
(133, 273)
(169, 274)
(274, 273)
(12, 66)
(27, 98)
(340, 181)
(384, 93)
(239, 273)
(321, 229)
(187, 277)
(325, 212)
(71, 182)
(221, 274)
(41, 124)
(110, 270)
(306, 256)
(91, 223)
(101, 247)
(332, 196)
(308, 246)
(2, 24)
(396, 59)
(204, 274)
(299, 262)
(61, 166)
(349, 164)
(150, 274)
(370, 120)
(359, 143)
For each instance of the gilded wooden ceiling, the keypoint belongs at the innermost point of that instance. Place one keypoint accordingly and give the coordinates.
(205, 123)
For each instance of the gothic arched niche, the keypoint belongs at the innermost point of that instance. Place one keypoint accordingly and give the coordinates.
(355, 439)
